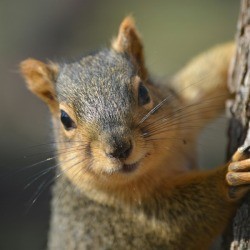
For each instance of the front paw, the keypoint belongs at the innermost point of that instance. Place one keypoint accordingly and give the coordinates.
(238, 175)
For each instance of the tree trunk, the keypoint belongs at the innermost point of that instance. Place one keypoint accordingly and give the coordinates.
(238, 236)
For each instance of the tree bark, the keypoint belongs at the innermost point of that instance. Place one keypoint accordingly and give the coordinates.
(238, 236)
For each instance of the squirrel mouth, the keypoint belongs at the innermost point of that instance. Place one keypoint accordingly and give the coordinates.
(128, 168)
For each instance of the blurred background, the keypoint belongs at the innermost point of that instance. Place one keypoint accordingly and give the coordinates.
(173, 32)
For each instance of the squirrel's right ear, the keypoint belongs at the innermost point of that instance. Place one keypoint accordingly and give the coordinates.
(128, 41)
(40, 79)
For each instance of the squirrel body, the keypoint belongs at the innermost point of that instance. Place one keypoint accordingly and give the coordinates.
(128, 177)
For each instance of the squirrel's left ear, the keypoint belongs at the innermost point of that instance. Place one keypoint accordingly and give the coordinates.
(128, 41)
(40, 79)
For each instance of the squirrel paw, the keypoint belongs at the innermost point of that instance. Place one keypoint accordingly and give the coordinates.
(238, 176)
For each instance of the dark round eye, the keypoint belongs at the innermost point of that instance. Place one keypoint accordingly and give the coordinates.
(143, 95)
(67, 122)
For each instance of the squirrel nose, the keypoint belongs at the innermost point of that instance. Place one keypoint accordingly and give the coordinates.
(121, 150)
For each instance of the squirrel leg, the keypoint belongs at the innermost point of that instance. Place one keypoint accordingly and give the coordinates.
(203, 202)
(202, 83)
(205, 75)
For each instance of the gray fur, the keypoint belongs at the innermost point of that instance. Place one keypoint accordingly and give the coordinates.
(78, 223)
(98, 87)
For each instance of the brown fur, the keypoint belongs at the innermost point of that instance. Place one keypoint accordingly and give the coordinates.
(40, 78)
(165, 203)
(128, 40)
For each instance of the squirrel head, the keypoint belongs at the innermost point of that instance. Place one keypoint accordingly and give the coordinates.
(99, 102)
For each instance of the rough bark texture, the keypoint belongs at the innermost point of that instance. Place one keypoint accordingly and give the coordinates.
(238, 237)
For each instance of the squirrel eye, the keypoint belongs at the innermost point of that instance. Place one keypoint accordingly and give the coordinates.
(143, 95)
(67, 121)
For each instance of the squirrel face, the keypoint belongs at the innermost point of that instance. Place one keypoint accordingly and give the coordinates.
(100, 102)
(101, 99)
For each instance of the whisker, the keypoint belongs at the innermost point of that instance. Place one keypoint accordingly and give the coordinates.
(45, 171)
(33, 200)
(47, 183)
(168, 121)
(52, 151)
(74, 176)
(20, 170)
(201, 105)
(159, 105)
(49, 143)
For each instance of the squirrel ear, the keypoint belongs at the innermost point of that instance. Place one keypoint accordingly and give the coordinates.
(128, 41)
(40, 79)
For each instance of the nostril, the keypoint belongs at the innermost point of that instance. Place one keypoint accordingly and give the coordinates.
(125, 152)
(122, 151)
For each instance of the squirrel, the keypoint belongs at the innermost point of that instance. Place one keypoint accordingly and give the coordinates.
(127, 175)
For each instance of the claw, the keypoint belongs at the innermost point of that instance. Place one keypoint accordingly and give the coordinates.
(242, 153)
(246, 152)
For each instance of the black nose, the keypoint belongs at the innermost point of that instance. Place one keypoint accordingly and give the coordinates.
(121, 150)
